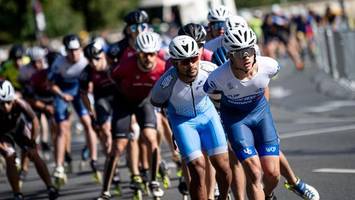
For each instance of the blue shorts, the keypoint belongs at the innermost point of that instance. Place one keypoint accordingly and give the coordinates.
(251, 133)
(61, 108)
(204, 132)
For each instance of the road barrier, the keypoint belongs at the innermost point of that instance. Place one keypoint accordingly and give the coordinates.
(336, 53)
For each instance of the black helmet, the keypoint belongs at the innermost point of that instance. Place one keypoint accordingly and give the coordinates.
(113, 51)
(71, 41)
(93, 50)
(196, 31)
(136, 17)
(17, 51)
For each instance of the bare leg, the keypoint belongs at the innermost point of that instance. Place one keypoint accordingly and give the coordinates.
(223, 173)
(197, 186)
(271, 168)
(238, 177)
(253, 171)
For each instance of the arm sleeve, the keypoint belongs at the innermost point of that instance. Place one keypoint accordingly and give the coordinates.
(26, 109)
(211, 85)
(162, 89)
(84, 79)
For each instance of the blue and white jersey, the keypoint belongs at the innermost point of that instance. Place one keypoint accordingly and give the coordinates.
(188, 100)
(243, 95)
(214, 44)
(65, 74)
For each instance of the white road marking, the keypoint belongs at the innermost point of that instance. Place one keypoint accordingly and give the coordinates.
(324, 120)
(279, 92)
(317, 131)
(334, 170)
(329, 106)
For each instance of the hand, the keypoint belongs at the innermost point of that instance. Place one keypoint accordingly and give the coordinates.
(49, 109)
(67, 97)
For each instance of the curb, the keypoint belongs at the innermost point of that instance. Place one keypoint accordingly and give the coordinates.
(341, 88)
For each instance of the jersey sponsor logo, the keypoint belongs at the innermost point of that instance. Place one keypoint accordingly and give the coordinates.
(248, 151)
(230, 85)
(270, 149)
(166, 81)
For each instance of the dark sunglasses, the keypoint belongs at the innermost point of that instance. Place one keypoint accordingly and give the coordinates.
(242, 53)
(138, 27)
(2, 103)
(187, 61)
(148, 54)
(217, 25)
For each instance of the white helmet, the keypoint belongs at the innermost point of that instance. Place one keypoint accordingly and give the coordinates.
(219, 13)
(235, 21)
(148, 42)
(7, 91)
(182, 47)
(37, 53)
(239, 38)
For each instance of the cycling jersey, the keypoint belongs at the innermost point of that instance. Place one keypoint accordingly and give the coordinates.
(134, 84)
(103, 91)
(10, 120)
(66, 76)
(244, 110)
(194, 120)
(214, 44)
(102, 82)
(40, 86)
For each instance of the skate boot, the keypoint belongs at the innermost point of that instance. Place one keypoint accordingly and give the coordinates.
(137, 186)
(303, 190)
(46, 151)
(68, 163)
(145, 178)
(97, 176)
(22, 177)
(155, 189)
(116, 181)
(164, 174)
(85, 155)
(105, 196)
(52, 193)
(271, 197)
(60, 178)
(183, 188)
(18, 196)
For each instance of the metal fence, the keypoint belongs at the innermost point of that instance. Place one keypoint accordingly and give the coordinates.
(336, 53)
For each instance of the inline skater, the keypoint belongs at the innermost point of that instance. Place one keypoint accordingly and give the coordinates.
(245, 111)
(194, 120)
(137, 73)
(14, 130)
(216, 21)
(64, 76)
(293, 183)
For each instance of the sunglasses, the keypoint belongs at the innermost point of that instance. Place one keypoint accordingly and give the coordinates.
(138, 27)
(3, 103)
(217, 25)
(187, 61)
(151, 54)
(242, 53)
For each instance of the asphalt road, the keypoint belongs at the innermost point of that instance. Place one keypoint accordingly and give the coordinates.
(317, 135)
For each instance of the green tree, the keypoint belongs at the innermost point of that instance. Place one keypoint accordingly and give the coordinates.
(61, 19)
(100, 14)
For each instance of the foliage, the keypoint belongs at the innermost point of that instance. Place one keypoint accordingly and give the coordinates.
(62, 17)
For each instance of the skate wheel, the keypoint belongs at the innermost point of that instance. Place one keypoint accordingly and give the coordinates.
(166, 182)
(138, 195)
(185, 197)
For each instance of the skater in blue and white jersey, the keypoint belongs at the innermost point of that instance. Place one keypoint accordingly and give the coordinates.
(194, 120)
(245, 111)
